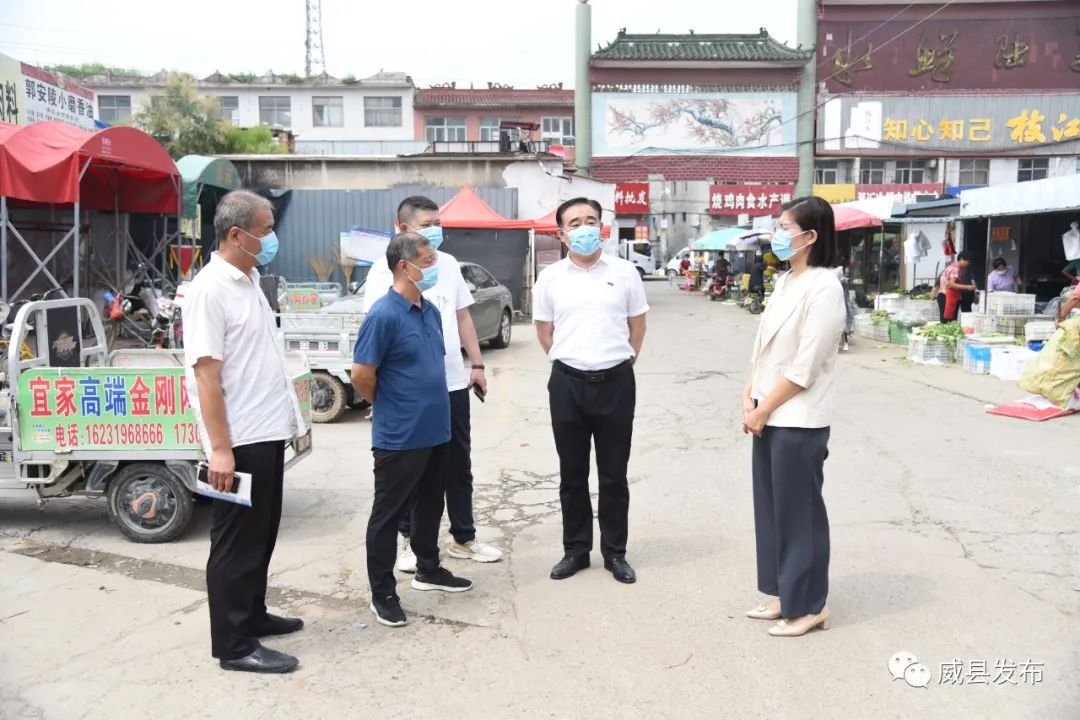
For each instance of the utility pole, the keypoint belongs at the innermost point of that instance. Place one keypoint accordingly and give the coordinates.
(583, 89)
(314, 58)
(804, 129)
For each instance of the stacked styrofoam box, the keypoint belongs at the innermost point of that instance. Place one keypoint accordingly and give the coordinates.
(1038, 330)
(1007, 303)
(889, 303)
(922, 349)
(1009, 363)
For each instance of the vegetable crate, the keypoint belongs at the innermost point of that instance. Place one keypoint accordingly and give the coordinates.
(1016, 325)
(1038, 330)
(928, 351)
(889, 303)
(924, 310)
(898, 334)
(864, 326)
(881, 332)
(1006, 303)
(976, 358)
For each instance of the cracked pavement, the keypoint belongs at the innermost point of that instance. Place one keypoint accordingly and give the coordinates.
(955, 535)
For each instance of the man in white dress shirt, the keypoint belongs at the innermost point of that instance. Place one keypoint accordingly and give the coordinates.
(589, 310)
(452, 298)
(237, 383)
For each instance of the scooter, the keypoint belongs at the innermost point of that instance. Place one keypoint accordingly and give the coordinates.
(719, 287)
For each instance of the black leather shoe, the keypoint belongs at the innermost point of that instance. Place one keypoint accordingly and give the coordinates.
(262, 660)
(276, 625)
(621, 569)
(568, 566)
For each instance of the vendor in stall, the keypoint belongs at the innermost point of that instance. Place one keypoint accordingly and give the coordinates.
(1072, 271)
(1069, 305)
(1002, 278)
(953, 286)
(721, 268)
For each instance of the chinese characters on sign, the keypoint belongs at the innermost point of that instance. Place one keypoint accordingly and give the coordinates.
(632, 198)
(1012, 55)
(845, 66)
(749, 199)
(29, 94)
(900, 192)
(937, 61)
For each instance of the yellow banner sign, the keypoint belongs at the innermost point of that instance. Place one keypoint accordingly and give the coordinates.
(835, 193)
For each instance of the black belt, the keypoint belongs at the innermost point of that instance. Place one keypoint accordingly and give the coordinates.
(594, 376)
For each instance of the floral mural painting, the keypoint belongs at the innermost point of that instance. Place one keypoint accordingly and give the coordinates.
(657, 123)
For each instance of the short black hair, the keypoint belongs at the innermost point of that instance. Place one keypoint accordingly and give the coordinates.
(404, 246)
(577, 201)
(1000, 261)
(962, 256)
(814, 213)
(408, 207)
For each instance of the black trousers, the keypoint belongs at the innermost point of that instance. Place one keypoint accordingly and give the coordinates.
(585, 410)
(458, 473)
(242, 541)
(404, 478)
(940, 298)
(790, 521)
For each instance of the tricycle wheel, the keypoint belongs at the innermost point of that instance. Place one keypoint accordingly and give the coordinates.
(328, 397)
(148, 503)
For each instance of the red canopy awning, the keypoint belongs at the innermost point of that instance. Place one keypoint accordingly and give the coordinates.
(547, 226)
(848, 218)
(125, 168)
(468, 210)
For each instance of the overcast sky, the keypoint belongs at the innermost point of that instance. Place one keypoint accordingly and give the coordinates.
(468, 41)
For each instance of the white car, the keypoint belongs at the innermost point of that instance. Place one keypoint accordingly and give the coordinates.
(673, 268)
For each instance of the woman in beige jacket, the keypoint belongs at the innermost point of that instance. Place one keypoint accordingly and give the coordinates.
(788, 407)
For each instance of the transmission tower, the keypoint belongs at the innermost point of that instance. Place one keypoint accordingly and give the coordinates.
(314, 59)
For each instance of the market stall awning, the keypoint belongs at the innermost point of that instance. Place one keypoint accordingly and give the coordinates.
(547, 226)
(199, 171)
(468, 210)
(720, 239)
(1058, 194)
(849, 218)
(119, 168)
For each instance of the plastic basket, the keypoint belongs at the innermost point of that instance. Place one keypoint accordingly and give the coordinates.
(889, 303)
(928, 352)
(1006, 303)
(1016, 325)
(976, 358)
(925, 310)
(898, 334)
(864, 327)
(881, 332)
(1038, 330)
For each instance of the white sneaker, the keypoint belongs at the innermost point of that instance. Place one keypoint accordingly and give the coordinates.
(474, 550)
(406, 561)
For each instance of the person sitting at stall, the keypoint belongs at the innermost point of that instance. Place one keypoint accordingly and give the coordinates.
(1072, 271)
(721, 268)
(1002, 278)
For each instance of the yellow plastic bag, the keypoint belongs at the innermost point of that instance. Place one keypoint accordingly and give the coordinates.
(1055, 371)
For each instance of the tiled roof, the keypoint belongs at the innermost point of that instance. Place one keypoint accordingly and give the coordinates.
(450, 97)
(714, 48)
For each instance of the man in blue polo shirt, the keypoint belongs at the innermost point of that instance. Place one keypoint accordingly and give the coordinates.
(398, 366)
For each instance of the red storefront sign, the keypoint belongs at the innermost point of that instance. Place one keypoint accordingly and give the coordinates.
(750, 199)
(632, 198)
(900, 193)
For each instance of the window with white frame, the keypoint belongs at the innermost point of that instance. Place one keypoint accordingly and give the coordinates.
(489, 127)
(328, 111)
(1033, 169)
(382, 111)
(114, 109)
(974, 171)
(228, 108)
(557, 130)
(275, 110)
(910, 171)
(444, 129)
(872, 172)
(827, 172)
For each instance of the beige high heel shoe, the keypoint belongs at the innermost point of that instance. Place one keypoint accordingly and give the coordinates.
(797, 629)
(764, 612)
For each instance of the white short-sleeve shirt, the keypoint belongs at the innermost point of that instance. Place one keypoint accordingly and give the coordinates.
(590, 308)
(449, 295)
(226, 317)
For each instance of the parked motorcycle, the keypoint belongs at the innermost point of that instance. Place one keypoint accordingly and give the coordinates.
(720, 287)
(143, 313)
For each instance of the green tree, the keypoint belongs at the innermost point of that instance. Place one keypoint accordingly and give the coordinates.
(251, 141)
(181, 121)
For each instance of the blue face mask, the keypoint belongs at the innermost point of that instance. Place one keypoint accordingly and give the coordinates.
(433, 234)
(585, 239)
(781, 244)
(430, 277)
(269, 244)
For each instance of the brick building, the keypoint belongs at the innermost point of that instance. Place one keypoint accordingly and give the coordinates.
(687, 113)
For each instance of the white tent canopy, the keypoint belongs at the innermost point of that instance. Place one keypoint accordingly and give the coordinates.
(1058, 194)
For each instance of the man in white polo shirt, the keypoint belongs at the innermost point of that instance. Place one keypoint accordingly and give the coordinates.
(589, 310)
(452, 298)
(237, 383)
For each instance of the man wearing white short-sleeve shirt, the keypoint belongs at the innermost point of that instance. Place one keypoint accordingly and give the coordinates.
(452, 298)
(236, 379)
(589, 310)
